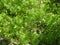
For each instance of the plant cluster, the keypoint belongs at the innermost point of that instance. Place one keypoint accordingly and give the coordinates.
(29, 22)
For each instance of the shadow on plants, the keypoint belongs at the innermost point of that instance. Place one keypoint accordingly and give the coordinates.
(15, 37)
(54, 41)
(53, 6)
(40, 26)
(10, 14)
(55, 1)
(4, 9)
(4, 42)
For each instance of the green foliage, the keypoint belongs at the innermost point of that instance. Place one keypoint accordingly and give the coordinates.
(33, 22)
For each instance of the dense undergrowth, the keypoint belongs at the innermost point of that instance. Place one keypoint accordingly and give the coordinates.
(29, 22)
